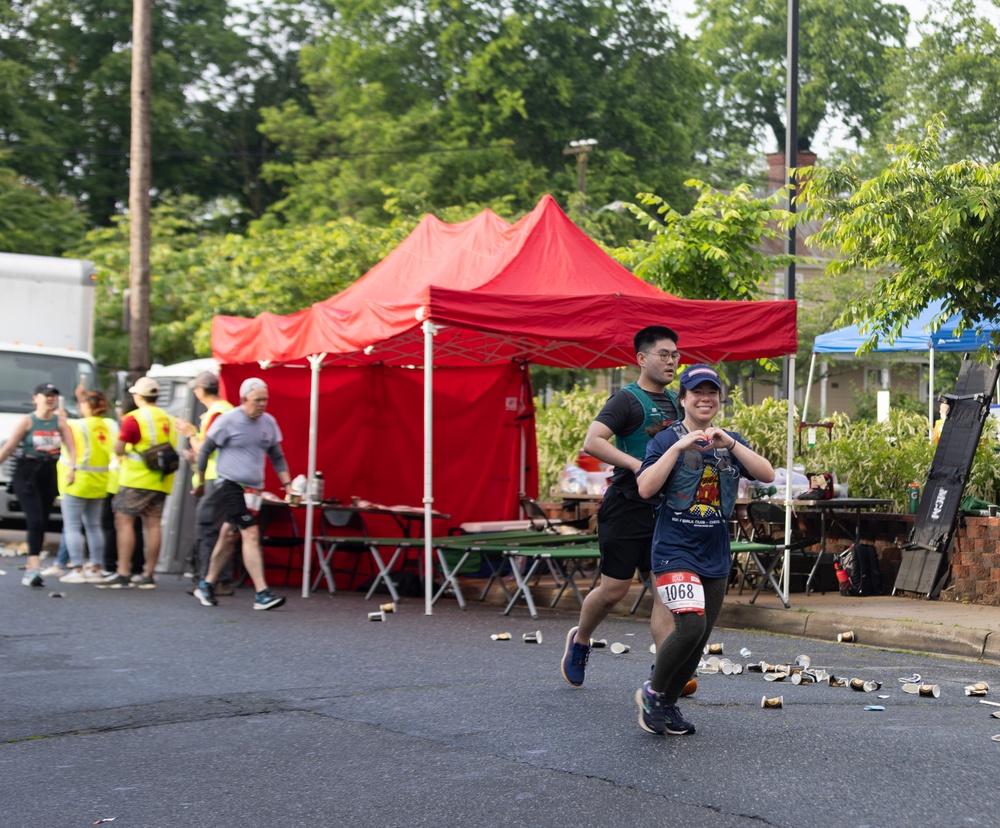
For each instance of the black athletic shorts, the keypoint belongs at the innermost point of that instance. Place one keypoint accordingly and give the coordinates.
(625, 534)
(233, 505)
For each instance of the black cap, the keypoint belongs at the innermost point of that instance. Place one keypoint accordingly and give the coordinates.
(46, 388)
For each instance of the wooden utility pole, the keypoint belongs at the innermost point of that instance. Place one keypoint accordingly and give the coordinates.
(140, 181)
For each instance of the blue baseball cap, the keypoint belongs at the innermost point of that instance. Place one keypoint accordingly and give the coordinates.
(695, 375)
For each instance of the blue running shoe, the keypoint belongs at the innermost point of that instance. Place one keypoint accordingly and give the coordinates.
(676, 726)
(266, 600)
(574, 660)
(651, 709)
(206, 594)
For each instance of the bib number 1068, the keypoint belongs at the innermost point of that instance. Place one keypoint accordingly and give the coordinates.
(681, 592)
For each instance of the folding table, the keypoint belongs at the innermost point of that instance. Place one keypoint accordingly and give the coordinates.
(327, 545)
(828, 514)
(556, 558)
(491, 549)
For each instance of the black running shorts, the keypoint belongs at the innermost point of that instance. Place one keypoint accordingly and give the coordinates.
(234, 505)
(625, 534)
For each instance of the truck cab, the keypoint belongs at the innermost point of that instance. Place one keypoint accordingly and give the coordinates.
(22, 367)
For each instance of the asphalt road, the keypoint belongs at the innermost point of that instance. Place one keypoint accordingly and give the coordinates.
(146, 707)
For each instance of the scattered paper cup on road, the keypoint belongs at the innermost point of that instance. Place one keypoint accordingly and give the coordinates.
(745, 652)
(775, 703)
(929, 691)
(714, 649)
(532, 637)
(390, 607)
(836, 681)
(377, 616)
(846, 636)
(980, 688)
(57, 595)
(598, 642)
(652, 649)
(500, 636)
(618, 648)
(911, 688)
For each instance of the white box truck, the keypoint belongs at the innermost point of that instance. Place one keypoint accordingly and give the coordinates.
(46, 335)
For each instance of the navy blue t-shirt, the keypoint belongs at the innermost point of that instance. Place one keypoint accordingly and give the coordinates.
(697, 538)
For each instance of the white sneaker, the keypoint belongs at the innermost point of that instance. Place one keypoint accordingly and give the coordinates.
(32, 579)
(53, 571)
(93, 575)
(74, 576)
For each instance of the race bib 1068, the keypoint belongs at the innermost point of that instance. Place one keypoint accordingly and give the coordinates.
(681, 592)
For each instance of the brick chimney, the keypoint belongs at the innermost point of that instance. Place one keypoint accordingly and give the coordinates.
(776, 167)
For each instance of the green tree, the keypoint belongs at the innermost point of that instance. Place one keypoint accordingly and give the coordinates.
(199, 273)
(65, 68)
(955, 69)
(844, 51)
(33, 222)
(713, 251)
(923, 229)
(439, 103)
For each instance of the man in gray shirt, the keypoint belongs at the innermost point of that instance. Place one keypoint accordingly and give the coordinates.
(243, 437)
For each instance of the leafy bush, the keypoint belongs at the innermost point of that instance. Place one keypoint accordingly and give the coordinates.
(560, 428)
(877, 460)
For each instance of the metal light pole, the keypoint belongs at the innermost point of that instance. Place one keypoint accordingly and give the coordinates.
(581, 149)
(791, 162)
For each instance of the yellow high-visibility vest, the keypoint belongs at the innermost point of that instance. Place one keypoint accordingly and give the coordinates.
(94, 442)
(155, 426)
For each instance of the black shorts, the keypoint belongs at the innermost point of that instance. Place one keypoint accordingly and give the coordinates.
(625, 534)
(233, 505)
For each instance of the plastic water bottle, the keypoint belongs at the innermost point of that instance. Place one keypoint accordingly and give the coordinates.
(316, 487)
(914, 497)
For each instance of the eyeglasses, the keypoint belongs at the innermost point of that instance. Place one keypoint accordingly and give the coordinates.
(665, 356)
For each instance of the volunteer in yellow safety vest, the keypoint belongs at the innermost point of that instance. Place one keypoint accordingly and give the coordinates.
(83, 498)
(142, 490)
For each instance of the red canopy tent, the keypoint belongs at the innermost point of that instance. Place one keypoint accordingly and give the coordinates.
(473, 304)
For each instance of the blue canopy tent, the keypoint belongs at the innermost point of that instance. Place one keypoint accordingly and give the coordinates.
(915, 336)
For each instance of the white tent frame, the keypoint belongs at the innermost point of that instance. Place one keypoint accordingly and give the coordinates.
(430, 330)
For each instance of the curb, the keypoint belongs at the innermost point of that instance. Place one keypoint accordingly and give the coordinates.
(964, 642)
(906, 635)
